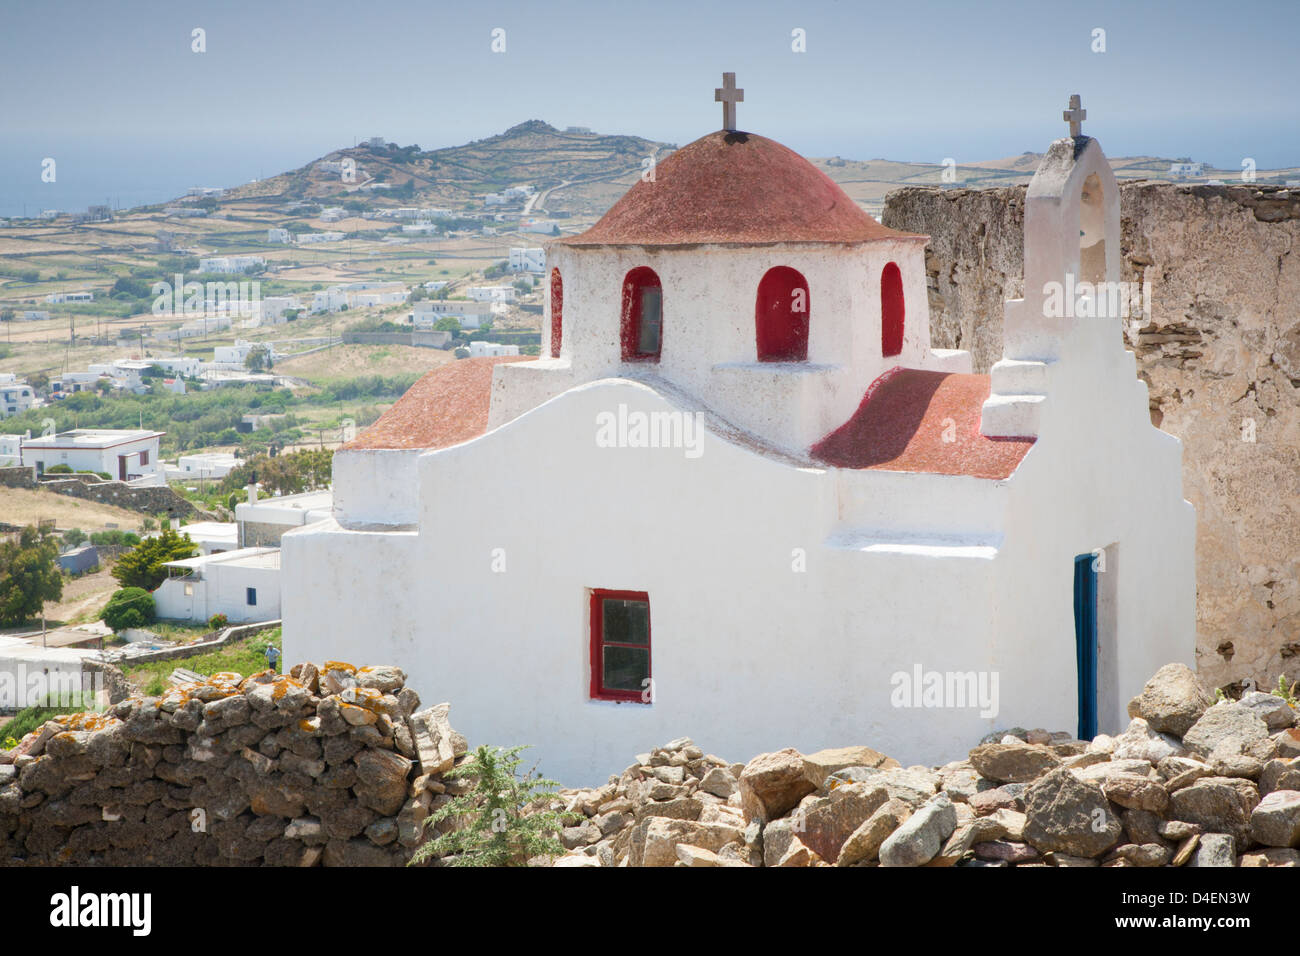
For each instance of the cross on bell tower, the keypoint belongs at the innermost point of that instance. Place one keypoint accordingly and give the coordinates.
(1075, 115)
(728, 95)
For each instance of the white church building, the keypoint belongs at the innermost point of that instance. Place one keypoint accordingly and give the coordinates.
(741, 498)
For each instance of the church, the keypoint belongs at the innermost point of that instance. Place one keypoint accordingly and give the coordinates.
(739, 496)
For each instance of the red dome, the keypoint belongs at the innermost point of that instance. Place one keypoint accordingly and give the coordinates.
(732, 187)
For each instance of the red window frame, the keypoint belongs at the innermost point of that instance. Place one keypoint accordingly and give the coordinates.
(642, 277)
(598, 689)
(781, 332)
(893, 310)
(557, 312)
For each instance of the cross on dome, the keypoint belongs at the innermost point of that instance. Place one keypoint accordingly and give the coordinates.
(728, 95)
(1075, 115)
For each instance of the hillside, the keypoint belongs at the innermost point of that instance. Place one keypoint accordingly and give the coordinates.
(533, 153)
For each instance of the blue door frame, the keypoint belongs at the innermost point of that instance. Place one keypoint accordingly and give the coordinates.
(1085, 643)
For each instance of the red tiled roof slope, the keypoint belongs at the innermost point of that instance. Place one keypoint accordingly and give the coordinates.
(733, 187)
(447, 406)
(900, 427)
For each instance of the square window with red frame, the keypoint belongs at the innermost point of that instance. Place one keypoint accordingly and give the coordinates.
(620, 645)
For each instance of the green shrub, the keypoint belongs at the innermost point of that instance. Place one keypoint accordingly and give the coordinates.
(498, 828)
(217, 621)
(59, 470)
(129, 607)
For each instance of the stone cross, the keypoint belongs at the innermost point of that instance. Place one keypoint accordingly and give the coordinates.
(728, 96)
(1075, 116)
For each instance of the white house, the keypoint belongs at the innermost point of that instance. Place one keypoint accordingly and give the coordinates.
(491, 293)
(264, 521)
(230, 263)
(238, 353)
(523, 259)
(11, 450)
(179, 364)
(272, 309)
(331, 214)
(16, 397)
(243, 584)
(213, 537)
(308, 238)
(278, 235)
(124, 454)
(33, 315)
(1185, 170)
(491, 349)
(741, 496)
(470, 315)
(56, 297)
(212, 464)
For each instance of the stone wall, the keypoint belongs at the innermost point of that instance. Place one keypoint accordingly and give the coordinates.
(18, 477)
(1190, 782)
(154, 500)
(1220, 354)
(338, 768)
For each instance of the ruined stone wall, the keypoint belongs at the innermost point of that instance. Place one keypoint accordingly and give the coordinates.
(155, 499)
(338, 768)
(1220, 354)
(18, 476)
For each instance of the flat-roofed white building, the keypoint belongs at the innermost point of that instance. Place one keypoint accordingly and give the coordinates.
(528, 259)
(279, 235)
(212, 464)
(492, 293)
(126, 454)
(491, 349)
(213, 537)
(230, 263)
(243, 584)
(15, 396)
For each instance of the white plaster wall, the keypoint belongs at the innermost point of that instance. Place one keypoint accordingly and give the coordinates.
(221, 590)
(749, 654)
(709, 346)
(376, 486)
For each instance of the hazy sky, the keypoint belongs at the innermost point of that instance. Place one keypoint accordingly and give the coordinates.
(112, 90)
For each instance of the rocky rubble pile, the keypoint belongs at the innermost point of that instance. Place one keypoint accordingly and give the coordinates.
(332, 765)
(1190, 782)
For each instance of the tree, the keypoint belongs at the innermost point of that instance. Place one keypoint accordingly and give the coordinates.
(258, 359)
(448, 324)
(142, 566)
(508, 823)
(29, 576)
(129, 607)
(73, 537)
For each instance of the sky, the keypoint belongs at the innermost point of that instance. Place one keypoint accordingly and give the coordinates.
(115, 93)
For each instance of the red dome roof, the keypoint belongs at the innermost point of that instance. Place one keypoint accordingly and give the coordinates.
(732, 187)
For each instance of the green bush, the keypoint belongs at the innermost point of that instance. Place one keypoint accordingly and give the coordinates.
(496, 822)
(218, 621)
(129, 607)
(59, 470)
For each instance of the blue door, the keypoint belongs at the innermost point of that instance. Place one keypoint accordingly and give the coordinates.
(1085, 643)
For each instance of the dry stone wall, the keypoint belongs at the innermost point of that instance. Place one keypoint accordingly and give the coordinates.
(156, 499)
(1220, 353)
(1191, 782)
(333, 766)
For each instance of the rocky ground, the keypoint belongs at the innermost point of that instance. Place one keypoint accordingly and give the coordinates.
(1190, 782)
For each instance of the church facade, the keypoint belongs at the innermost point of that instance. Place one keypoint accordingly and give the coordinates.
(740, 497)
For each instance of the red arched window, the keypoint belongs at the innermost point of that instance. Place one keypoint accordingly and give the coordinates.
(891, 311)
(643, 319)
(781, 316)
(557, 312)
